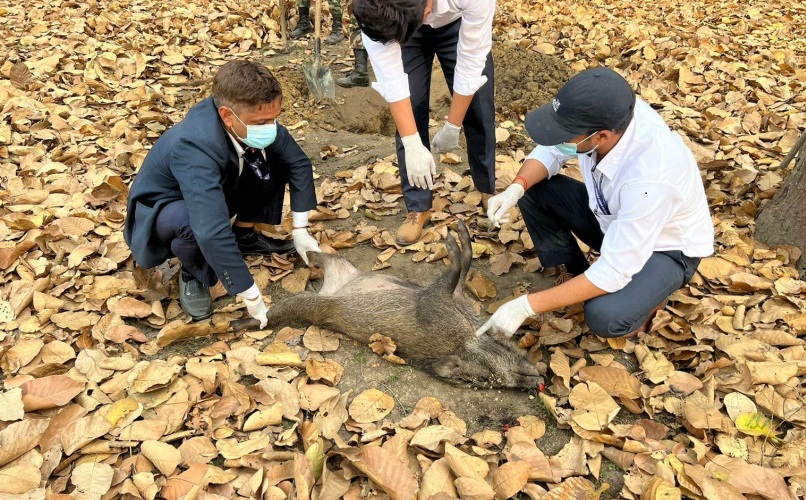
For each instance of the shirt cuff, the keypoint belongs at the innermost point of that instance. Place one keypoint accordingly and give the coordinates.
(393, 90)
(545, 156)
(606, 277)
(465, 85)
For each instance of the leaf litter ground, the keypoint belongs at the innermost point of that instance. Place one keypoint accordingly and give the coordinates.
(709, 405)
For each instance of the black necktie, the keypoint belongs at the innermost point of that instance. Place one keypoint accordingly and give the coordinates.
(254, 158)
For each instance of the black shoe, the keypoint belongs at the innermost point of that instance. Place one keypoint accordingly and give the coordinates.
(335, 37)
(194, 298)
(359, 77)
(257, 244)
(337, 34)
(304, 25)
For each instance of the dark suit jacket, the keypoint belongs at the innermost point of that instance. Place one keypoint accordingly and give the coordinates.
(195, 160)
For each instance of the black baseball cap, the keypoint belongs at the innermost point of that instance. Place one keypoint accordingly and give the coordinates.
(594, 99)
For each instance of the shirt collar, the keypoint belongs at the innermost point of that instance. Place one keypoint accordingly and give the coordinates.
(238, 148)
(623, 149)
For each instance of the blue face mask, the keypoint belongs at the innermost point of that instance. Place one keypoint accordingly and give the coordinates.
(570, 148)
(257, 136)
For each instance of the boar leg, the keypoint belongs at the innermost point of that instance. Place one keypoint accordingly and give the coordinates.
(302, 309)
(338, 271)
(466, 256)
(451, 279)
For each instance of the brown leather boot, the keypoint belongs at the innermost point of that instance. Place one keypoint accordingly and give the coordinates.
(412, 228)
(563, 275)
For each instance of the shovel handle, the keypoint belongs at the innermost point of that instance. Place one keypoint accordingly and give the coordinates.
(283, 24)
(318, 20)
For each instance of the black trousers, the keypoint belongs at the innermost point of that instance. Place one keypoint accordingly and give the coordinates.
(556, 210)
(173, 230)
(252, 200)
(479, 123)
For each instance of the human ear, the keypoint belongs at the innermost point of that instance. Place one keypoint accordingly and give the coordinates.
(227, 116)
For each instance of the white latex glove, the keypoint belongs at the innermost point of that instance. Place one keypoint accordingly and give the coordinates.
(500, 204)
(255, 304)
(304, 243)
(509, 317)
(446, 139)
(420, 165)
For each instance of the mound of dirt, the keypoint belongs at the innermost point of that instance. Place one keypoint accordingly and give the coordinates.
(525, 79)
(356, 110)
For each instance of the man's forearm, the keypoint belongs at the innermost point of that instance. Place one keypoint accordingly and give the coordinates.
(533, 171)
(571, 292)
(403, 116)
(459, 105)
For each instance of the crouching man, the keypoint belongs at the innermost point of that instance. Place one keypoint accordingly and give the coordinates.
(642, 205)
(229, 157)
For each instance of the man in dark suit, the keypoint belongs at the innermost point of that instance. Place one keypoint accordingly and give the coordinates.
(228, 158)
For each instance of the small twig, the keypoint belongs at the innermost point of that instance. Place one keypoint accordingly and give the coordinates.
(177, 436)
(794, 151)
(66, 463)
(191, 83)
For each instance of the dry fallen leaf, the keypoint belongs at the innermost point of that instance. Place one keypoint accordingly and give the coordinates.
(19, 479)
(50, 392)
(509, 479)
(92, 479)
(371, 406)
(320, 340)
(11, 405)
(594, 408)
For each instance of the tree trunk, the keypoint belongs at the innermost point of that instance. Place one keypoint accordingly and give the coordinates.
(783, 221)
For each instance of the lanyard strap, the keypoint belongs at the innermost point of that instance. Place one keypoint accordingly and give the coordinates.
(597, 190)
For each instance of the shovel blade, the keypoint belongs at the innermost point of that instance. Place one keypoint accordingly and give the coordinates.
(319, 77)
(320, 80)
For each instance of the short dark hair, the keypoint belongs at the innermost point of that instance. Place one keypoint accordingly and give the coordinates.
(388, 21)
(244, 84)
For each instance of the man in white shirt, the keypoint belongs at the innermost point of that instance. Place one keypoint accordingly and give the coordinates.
(642, 205)
(402, 37)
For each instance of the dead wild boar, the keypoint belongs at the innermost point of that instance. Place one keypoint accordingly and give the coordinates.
(432, 326)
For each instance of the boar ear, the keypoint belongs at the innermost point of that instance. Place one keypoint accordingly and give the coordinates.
(448, 366)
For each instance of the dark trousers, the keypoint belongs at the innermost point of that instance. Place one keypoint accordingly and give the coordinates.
(479, 123)
(555, 211)
(173, 230)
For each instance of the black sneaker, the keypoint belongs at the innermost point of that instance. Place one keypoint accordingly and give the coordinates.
(194, 298)
(257, 244)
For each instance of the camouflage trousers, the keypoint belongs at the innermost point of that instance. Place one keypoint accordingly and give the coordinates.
(355, 31)
(335, 10)
(335, 6)
(355, 36)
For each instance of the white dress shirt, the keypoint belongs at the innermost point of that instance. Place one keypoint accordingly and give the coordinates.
(652, 198)
(240, 150)
(475, 43)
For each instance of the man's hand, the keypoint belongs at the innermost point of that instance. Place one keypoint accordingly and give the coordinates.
(420, 165)
(509, 317)
(446, 139)
(304, 243)
(255, 304)
(500, 204)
